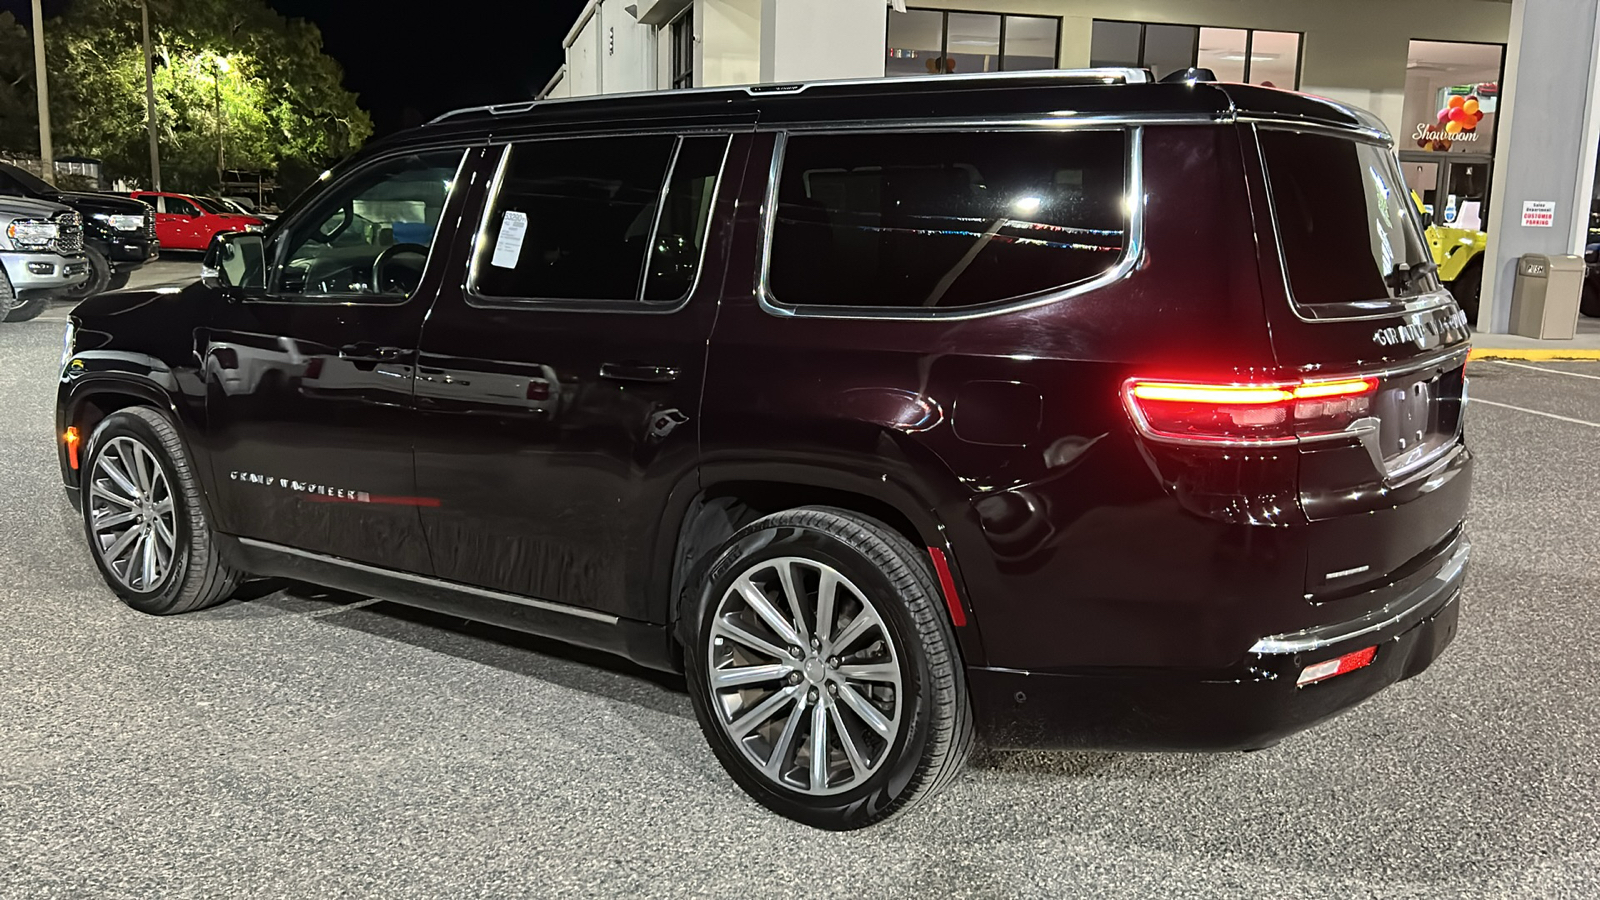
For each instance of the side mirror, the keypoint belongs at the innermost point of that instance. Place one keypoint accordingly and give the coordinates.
(236, 259)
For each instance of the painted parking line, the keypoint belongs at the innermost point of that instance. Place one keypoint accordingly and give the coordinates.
(1547, 371)
(1536, 412)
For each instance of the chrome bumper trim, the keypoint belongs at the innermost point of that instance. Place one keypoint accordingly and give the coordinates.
(1446, 581)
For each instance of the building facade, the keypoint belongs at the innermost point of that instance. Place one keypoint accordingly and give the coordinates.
(1438, 72)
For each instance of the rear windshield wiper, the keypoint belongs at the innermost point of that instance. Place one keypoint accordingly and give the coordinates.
(1404, 275)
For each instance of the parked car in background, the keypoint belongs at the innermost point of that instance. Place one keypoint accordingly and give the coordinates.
(1590, 304)
(119, 234)
(41, 256)
(186, 222)
(918, 414)
(1458, 252)
(244, 206)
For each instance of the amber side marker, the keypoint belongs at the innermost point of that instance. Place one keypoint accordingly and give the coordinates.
(71, 440)
(947, 584)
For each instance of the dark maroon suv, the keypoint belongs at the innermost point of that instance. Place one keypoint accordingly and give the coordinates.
(1056, 410)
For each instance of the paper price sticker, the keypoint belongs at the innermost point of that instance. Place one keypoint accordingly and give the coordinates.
(508, 247)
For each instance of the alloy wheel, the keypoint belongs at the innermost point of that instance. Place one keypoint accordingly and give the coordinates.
(805, 676)
(132, 517)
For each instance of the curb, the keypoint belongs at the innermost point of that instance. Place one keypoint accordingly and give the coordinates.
(1534, 353)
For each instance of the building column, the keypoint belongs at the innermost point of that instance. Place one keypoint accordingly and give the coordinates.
(810, 40)
(1545, 148)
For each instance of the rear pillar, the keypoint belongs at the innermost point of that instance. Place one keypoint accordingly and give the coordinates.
(1545, 149)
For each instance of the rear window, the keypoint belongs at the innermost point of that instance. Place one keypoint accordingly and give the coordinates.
(946, 220)
(1345, 220)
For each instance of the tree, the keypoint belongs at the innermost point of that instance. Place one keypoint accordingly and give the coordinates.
(232, 69)
(19, 116)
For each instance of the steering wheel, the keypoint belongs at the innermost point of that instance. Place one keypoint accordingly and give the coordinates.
(384, 283)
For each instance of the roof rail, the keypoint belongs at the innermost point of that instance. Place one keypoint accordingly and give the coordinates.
(1063, 76)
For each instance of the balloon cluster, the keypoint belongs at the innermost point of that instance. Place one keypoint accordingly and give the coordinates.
(1460, 116)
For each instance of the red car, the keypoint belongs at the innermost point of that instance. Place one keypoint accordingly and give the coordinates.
(186, 222)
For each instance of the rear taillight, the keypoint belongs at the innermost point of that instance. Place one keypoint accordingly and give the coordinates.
(1274, 413)
(313, 368)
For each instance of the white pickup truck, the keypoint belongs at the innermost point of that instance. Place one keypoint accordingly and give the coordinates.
(41, 255)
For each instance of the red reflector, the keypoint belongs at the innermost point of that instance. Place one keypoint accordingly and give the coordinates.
(71, 440)
(947, 584)
(313, 368)
(1349, 662)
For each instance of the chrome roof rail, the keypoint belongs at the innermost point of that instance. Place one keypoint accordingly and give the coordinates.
(1062, 76)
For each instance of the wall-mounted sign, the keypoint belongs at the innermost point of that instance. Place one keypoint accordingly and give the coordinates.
(1538, 213)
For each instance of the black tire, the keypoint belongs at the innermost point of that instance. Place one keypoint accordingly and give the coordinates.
(8, 295)
(1590, 305)
(119, 280)
(1467, 287)
(195, 577)
(99, 276)
(935, 733)
(27, 309)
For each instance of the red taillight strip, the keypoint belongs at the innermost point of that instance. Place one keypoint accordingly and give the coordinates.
(1249, 394)
(1353, 387)
(947, 584)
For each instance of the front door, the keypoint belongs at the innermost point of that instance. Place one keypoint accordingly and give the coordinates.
(559, 393)
(309, 381)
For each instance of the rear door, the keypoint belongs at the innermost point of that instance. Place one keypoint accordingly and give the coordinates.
(1351, 294)
(558, 391)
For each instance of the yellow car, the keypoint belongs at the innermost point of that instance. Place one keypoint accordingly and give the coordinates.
(1458, 252)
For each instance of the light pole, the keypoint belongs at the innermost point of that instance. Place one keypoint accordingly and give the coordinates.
(150, 98)
(218, 67)
(46, 153)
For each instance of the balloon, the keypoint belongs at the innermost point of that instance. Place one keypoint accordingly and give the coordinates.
(1471, 106)
(1453, 127)
(1444, 115)
(1457, 102)
(1458, 114)
(1477, 117)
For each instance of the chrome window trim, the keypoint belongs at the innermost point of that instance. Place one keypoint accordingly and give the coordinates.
(1390, 309)
(1132, 251)
(1448, 579)
(480, 300)
(1065, 119)
(271, 295)
(1289, 123)
(546, 605)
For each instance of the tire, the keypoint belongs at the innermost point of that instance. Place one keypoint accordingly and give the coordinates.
(1590, 305)
(119, 280)
(1467, 287)
(194, 575)
(8, 295)
(27, 309)
(907, 636)
(99, 276)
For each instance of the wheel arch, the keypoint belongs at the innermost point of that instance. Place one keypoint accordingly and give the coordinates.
(90, 400)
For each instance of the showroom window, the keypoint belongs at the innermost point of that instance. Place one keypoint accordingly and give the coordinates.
(1243, 55)
(932, 42)
(575, 219)
(1452, 97)
(945, 220)
(682, 35)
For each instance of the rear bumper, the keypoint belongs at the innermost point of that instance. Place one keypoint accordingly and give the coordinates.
(1253, 705)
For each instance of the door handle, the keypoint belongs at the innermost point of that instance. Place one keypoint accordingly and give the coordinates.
(638, 372)
(369, 352)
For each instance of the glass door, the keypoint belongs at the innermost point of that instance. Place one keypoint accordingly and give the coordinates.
(1464, 194)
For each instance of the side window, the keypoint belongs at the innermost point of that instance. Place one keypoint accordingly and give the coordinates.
(946, 220)
(681, 227)
(370, 236)
(573, 219)
(181, 207)
(152, 199)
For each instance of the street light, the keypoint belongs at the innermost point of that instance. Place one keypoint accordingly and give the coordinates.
(150, 98)
(46, 152)
(219, 66)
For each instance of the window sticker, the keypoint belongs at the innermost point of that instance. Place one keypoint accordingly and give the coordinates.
(508, 248)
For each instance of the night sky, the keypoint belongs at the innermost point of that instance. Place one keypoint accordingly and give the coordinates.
(411, 60)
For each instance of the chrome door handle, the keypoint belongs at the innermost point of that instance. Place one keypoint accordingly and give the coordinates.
(638, 372)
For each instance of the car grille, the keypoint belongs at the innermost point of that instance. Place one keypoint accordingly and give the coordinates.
(69, 240)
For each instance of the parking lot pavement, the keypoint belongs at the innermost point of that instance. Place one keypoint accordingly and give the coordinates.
(298, 745)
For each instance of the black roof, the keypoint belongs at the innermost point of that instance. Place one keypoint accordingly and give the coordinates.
(1089, 93)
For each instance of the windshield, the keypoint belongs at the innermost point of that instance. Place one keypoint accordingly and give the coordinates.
(1346, 223)
(212, 205)
(29, 181)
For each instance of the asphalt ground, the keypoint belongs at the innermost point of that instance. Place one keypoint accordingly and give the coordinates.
(301, 744)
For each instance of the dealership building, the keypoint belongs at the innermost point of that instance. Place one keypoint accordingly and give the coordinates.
(1492, 104)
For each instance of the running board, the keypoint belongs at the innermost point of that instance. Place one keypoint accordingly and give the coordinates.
(641, 642)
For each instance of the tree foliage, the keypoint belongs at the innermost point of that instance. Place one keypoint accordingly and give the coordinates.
(228, 69)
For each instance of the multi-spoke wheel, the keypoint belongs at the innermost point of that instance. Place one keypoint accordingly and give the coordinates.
(143, 516)
(824, 671)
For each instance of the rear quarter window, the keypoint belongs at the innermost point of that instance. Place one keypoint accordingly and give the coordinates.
(945, 220)
(1345, 222)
